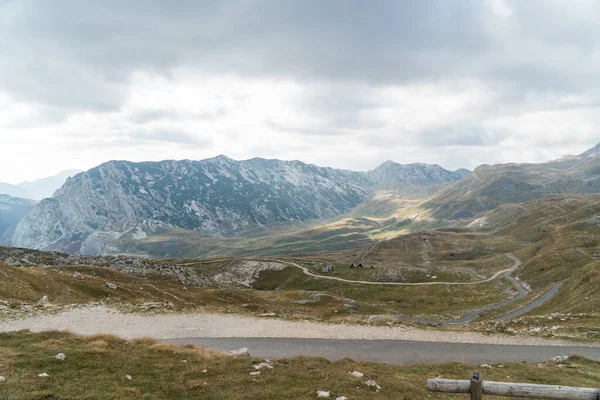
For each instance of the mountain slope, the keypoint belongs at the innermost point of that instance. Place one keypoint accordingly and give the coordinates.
(489, 186)
(12, 209)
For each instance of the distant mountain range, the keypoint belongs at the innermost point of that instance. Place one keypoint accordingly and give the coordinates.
(217, 196)
(38, 189)
(107, 208)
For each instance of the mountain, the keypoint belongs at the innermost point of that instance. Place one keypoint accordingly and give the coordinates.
(12, 209)
(593, 152)
(489, 186)
(45, 187)
(12, 190)
(38, 189)
(218, 197)
(390, 172)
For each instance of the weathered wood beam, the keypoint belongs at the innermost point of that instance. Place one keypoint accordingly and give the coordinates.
(515, 389)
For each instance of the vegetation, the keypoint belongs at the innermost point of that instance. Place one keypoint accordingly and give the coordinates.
(98, 367)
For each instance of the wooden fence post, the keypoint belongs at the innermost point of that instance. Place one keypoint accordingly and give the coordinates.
(476, 385)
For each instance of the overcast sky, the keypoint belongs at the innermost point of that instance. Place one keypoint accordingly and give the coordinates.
(345, 84)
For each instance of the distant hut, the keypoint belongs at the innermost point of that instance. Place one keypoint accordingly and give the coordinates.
(360, 265)
(352, 266)
(372, 267)
(327, 268)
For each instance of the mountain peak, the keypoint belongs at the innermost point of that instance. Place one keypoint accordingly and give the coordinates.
(593, 152)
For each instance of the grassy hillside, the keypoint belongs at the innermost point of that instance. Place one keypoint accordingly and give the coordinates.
(105, 367)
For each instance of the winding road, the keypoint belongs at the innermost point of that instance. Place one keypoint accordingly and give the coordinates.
(473, 314)
(333, 278)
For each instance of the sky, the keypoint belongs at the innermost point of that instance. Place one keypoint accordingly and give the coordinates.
(346, 84)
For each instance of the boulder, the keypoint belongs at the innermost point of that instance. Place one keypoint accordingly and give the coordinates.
(110, 285)
(60, 356)
(323, 394)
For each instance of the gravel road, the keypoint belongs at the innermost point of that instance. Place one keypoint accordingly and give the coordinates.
(99, 319)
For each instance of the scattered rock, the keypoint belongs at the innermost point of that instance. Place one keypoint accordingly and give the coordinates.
(204, 371)
(373, 384)
(323, 394)
(184, 361)
(486, 366)
(76, 275)
(128, 377)
(263, 365)
(43, 375)
(255, 373)
(271, 314)
(60, 356)
(500, 366)
(560, 358)
(110, 285)
(44, 301)
(342, 398)
(239, 352)
(356, 374)
(2, 379)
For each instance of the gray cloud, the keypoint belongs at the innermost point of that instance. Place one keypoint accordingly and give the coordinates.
(67, 57)
(78, 54)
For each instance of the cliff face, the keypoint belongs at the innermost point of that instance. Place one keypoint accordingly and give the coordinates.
(218, 196)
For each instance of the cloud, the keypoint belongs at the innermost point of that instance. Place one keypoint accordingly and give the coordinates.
(345, 83)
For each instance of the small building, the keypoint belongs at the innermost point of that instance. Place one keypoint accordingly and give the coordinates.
(360, 265)
(352, 266)
(327, 268)
(372, 267)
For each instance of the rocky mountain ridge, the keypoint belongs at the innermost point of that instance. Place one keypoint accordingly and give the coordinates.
(217, 196)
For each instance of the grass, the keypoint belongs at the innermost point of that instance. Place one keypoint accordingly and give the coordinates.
(96, 367)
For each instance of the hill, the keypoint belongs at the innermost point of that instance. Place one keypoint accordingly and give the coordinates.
(489, 186)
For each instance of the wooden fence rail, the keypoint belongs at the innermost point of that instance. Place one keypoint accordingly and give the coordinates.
(477, 387)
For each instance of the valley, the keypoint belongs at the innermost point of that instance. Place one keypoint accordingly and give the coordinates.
(383, 252)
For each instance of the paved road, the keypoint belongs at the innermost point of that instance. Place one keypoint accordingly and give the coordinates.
(398, 352)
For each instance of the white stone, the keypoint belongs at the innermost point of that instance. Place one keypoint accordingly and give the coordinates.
(110, 285)
(263, 365)
(44, 300)
(2, 379)
(342, 398)
(323, 394)
(356, 374)
(76, 275)
(43, 375)
(239, 352)
(129, 378)
(486, 366)
(255, 373)
(60, 356)
(560, 358)
(373, 384)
